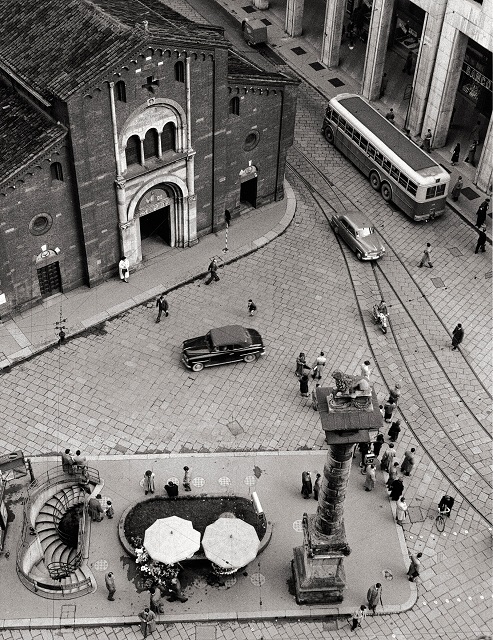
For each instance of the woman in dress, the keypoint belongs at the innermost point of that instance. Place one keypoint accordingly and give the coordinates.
(456, 154)
(401, 510)
(395, 429)
(378, 444)
(123, 267)
(304, 385)
(457, 188)
(370, 478)
(301, 365)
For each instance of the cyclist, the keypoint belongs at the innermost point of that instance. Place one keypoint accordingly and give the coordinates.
(445, 505)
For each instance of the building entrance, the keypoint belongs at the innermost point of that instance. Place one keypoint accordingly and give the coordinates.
(248, 192)
(156, 225)
(49, 279)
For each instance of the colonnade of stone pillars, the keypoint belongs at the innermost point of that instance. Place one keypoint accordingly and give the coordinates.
(331, 43)
(294, 17)
(376, 49)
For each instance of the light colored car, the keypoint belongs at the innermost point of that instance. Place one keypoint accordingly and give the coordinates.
(359, 234)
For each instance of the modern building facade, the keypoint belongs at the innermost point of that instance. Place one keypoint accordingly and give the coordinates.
(122, 121)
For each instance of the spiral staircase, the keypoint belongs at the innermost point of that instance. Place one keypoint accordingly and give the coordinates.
(49, 562)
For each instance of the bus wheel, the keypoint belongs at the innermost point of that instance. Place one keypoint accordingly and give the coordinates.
(386, 192)
(375, 180)
(329, 135)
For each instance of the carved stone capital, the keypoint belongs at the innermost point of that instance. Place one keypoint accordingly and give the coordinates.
(125, 225)
(192, 199)
(120, 182)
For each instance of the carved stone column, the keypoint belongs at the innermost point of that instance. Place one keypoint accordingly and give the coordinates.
(293, 24)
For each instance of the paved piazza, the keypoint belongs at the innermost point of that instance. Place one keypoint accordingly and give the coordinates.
(123, 390)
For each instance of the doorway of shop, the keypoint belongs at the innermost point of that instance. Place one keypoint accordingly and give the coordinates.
(248, 192)
(155, 233)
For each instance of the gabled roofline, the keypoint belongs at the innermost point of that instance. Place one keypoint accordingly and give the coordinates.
(12, 74)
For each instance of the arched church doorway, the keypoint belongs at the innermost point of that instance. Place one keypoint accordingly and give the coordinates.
(155, 213)
(248, 186)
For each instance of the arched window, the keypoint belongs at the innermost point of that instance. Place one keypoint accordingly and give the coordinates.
(121, 91)
(56, 172)
(151, 149)
(168, 138)
(234, 106)
(179, 71)
(132, 152)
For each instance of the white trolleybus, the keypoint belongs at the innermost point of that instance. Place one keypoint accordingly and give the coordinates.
(395, 166)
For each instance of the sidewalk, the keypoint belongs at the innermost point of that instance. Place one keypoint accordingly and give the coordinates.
(35, 330)
(379, 552)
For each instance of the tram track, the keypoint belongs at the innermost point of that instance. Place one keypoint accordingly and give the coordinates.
(469, 477)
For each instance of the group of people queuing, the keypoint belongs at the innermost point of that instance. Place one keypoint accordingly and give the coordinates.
(171, 488)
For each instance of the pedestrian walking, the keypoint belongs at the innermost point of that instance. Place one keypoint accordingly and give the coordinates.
(456, 154)
(156, 604)
(388, 458)
(365, 369)
(401, 511)
(149, 482)
(306, 484)
(457, 336)
(408, 462)
(415, 567)
(110, 511)
(123, 268)
(358, 616)
(374, 596)
(212, 269)
(390, 115)
(252, 307)
(378, 444)
(395, 394)
(67, 462)
(393, 475)
(471, 153)
(482, 212)
(371, 475)
(316, 486)
(175, 591)
(481, 243)
(304, 385)
(427, 141)
(94, 509)
(383, 85)
(162, 305)
(187, 478)
(457, 189)
(318, 366)
(171, 489)
(426, 259)
(408, 65)
(147, 622)
(109, 580)
(314, 397)
(388, 408)
(397, 489)
(395, 429)
(301, 365)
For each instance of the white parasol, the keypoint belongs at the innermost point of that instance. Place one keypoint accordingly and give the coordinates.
(230, 543)
(172, 539)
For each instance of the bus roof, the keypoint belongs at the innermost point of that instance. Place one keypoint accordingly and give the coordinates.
(386, 132)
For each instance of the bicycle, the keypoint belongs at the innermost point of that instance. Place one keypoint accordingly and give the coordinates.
(440, 519)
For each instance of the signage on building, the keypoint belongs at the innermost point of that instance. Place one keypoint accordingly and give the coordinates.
(477, 76)
(152, 201)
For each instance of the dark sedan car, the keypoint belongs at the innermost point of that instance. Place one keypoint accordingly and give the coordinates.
(359, 234)
(222, 346)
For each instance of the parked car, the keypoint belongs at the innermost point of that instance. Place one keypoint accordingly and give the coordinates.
(222, 346)
(359, 234)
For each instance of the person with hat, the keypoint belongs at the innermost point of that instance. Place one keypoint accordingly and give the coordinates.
(481, 243)
(482, 213)
(457, 336)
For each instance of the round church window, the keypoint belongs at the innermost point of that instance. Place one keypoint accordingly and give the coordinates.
(40, 224)
(251, 141)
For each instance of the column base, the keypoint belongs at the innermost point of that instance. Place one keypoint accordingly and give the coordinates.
(320, 590)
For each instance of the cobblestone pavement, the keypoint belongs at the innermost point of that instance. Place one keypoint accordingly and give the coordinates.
(122, 388)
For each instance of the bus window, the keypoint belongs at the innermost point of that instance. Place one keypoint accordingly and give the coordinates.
(342, 122)
(430, 192)
(386, 165)
(394, 172)
(378, 157)
(403, 180)
(335, 117)
(356, 137)
(363, 144)
(349, 129)
(440, 190)
(371, 150)
(412, 188)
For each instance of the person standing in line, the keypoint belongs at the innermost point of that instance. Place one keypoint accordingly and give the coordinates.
(162, 305)
(426, 259)
(378, 444)
(396, 490)
(318, 366)
(457, 189)
(252, 307)
(67, 462)
(415, 567)
(408, 65)
(316, 486)
(110, 511)
(408, 462)
(457, 336)
(212, 269)
(365, 369)
(364, 448)
(370, 478)
(471, 154)
(388, 458)
(383, 85)
(388, 408)
(123, 268)
(94, 509)
(187, 478)
(300, 365)
(358, 616)
(427, 141)
(401, 511)
(393, 475)
(109, 580)
(456, 154)
(147, 622)
(395, 429)
(395, 394)
(149, 482)
(481, 243)
(374, 596)
(306, 484)
(482, 212)
(304, 385)
(314, 397)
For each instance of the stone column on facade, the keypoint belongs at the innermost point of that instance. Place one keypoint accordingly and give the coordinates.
(293, 24)
(190, 211)
(130, 241)
(425, 66)
(331, 42)
(446, 75)
(484, 176)
(376, 49)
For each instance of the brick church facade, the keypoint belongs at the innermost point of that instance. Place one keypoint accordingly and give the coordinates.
(122, 120)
